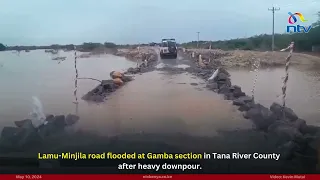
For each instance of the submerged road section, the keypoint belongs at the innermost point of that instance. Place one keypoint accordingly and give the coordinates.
(171, 106)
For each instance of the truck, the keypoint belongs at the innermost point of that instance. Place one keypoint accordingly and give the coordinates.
(168, 49)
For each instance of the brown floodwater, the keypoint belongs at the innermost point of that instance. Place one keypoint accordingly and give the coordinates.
(164, 103)
(153, 102)
(35, 74)
(157, 112)
(303, 89)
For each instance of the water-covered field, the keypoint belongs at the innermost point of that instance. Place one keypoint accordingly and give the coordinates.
(158, 111)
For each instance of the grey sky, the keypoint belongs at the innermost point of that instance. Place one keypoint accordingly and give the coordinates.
(43, 22)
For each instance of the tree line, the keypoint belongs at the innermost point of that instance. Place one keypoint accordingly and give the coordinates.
(83, 47)
(303, 41)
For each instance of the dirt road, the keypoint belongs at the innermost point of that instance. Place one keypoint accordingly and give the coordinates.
(241, 58)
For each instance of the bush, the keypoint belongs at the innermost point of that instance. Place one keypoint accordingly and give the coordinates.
(110, 45)
(2, 47)
(303, 41)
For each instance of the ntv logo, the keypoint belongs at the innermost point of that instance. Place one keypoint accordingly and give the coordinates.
(293, 19)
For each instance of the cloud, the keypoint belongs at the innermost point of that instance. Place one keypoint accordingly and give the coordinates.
(127, 21)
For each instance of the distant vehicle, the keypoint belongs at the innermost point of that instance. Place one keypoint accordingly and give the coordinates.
(168, 49)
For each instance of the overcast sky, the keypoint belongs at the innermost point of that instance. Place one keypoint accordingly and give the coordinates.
(44, 22)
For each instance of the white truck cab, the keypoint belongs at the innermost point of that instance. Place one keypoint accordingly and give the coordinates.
(168, 48)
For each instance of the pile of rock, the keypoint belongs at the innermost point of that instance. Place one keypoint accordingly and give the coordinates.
(146, 66)
(292, 134)
(49, 50)
(149, 58)
(146, 56)
(137, 54)
(242, 58)
(85, 55)
(207, 53)
(52, 51)
(59, 58)
(27, 134)
(106, 87)
(203, 73)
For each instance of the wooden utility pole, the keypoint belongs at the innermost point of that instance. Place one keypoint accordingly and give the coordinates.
(273, 9)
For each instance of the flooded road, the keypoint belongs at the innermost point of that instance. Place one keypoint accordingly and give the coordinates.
(157, 112)
(303, 89)
(162, 103)
(155, 102)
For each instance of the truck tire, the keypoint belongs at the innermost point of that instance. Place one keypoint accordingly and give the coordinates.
(175, 56)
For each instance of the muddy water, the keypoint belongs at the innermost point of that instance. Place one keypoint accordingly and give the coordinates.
(35, 74)
(163, 103)
(154, 102)
(303, 89)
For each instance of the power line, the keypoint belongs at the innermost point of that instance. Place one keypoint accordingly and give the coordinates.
(273, 9)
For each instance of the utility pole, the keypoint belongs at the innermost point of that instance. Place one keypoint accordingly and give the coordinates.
(198, 40)
(273, 9)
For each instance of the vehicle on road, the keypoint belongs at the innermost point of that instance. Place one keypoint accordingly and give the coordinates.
(168, 49)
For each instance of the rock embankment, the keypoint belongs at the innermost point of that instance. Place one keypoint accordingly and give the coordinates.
(105, 88)
(295, 139)
(138, 54)
(242, 58)
(26, 134)
(148, 58)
